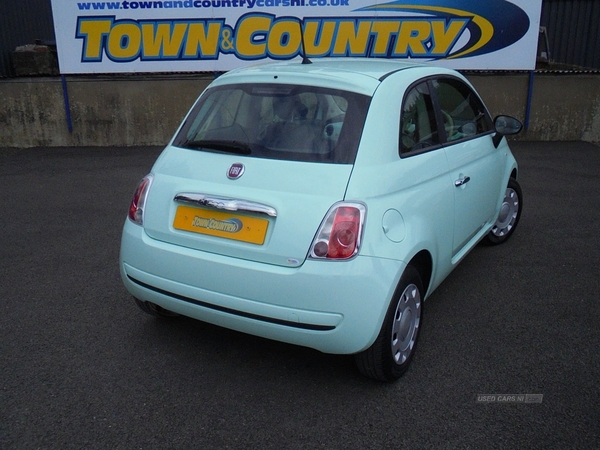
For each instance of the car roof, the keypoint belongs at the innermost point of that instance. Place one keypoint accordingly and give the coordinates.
(361, 75)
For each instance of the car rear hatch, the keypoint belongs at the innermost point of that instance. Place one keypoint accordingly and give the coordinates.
(254, 169)
(268, 214)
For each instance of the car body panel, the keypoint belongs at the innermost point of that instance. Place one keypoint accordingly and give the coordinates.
(235, 289)
(301, 193)
(351, 74)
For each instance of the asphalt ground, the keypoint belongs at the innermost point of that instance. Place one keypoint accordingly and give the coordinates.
(82, 367)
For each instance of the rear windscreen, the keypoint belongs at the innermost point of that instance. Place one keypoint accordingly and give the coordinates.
(277, 121)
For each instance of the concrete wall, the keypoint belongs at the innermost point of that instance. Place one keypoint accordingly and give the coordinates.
(146, 110)
(111, 111)
(564, 107)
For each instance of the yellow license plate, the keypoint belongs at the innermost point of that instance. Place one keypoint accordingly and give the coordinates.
(221, 224)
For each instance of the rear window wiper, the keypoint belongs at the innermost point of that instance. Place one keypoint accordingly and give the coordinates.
(222, 146)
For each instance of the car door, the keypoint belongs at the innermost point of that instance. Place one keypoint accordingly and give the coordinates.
(475, 165)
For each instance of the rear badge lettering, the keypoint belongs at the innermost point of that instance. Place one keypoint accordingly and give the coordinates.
(235, 171)
(228, 226)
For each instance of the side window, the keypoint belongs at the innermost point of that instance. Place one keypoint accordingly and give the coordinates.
(418, 129)
(463, 113)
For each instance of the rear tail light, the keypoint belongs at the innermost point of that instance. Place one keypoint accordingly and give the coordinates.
(341, 232)
(138, 202)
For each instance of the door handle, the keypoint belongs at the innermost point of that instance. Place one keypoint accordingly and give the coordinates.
(462, 181)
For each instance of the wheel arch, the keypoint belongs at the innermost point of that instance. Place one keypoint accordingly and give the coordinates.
(423, 263)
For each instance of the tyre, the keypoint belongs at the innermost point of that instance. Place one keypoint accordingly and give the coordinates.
(391, 353)
(510, 213)
(155, 310)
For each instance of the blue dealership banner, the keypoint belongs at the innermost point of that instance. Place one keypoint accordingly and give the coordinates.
(218, 35)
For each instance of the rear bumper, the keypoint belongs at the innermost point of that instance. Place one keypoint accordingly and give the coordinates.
(334, 307)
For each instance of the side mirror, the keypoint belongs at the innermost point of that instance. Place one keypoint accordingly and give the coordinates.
(505, 126)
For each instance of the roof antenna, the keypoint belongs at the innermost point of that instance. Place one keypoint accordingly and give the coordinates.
(305, 59)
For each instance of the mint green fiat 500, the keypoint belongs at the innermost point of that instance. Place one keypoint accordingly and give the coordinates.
(321, 203)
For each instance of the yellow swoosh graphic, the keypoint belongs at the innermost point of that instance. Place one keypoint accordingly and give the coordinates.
(486, 27)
